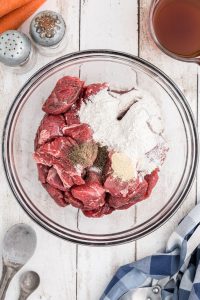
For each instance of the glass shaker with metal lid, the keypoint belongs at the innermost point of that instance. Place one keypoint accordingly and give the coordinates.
(16, 51)
(47, 30)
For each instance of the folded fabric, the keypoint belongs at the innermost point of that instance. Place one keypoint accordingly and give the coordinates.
(174, 274)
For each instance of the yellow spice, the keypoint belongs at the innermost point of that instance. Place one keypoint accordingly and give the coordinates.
(123, 167)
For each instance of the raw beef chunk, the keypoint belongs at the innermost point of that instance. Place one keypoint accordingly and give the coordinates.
(93, 176)
(104, 210)
(152, 179)
(56, 194)
(92, 195)
(50, 128)
(72, 117)
(54, 180)
(73, 201)
(43, 158)
(56, 154)
(118, 188)
(94, 88)
(124, 202)
(69, 175)
(42, 172)
(79, 132)
(59, 148)
(64, 95)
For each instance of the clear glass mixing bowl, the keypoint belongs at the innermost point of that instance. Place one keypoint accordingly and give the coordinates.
(122, 71)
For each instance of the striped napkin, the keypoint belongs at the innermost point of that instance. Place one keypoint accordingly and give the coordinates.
(171, 275)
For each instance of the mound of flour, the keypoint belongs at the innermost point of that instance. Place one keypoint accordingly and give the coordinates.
(129, 123)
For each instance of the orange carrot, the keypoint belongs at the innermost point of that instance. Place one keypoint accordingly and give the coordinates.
(14, 19)
(7, 6)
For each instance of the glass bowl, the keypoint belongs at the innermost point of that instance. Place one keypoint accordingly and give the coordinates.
(153, 7)
(122, 71)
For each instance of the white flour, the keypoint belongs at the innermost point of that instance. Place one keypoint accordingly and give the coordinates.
(136, 134)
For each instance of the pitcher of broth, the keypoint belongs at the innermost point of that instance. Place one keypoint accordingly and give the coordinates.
(175, 28)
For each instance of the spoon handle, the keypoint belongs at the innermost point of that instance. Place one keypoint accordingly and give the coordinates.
(7, 275)
(23, 296)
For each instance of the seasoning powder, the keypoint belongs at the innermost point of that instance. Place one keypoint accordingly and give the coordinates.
(130, 123)
(84, 154)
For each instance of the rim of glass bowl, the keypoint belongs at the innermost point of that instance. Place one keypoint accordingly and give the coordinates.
(123, 236)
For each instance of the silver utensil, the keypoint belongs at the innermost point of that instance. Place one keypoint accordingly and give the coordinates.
(15, 48)
(18, 246)
(29, 282)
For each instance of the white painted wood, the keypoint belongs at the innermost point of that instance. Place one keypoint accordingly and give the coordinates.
(109, 24)
(96, 266)
(185, 75)
(68, 271)
(55, 260)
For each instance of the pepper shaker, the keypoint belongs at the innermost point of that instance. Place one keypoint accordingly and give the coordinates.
(16, 50)
(47, 30)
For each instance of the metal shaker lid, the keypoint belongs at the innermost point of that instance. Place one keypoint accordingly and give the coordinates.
(47, 28)
(15, 48)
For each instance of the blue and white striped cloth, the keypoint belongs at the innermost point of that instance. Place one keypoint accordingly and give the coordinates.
(176, 272)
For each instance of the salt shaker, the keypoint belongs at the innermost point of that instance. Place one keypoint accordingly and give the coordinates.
(47, 30)
(16, 50)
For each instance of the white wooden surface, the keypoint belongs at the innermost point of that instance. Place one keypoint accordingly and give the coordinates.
(68, 271)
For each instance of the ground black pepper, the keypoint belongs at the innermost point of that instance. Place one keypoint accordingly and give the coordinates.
(84, 154)
(102, 157)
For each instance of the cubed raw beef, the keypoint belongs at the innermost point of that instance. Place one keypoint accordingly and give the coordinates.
(97, 213)
(56, 154)
(93, 179)
(56, 194)
(117, 202)
(50, 128)
(79, 132)
(42, 172)
(92, 195)
(130, 199)
(151, 179)
(71, 116)
(143, 192)
(43, 158)
(58, 148)
(66, 149)
(64, 95)
(54, 180)
(69, 175)
(47, 159)
(94, 88)
(93, 176)
(73, 201)
(118, 188)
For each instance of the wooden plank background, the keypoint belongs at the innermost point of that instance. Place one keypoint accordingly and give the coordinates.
(76, 272)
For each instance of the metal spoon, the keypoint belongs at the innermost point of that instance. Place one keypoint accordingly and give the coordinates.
(29, 282)
(18, 246)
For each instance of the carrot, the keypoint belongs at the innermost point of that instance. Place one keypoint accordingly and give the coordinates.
(10, 5)
(14, 19)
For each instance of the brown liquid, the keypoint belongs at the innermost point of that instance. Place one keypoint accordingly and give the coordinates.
(177, 26)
